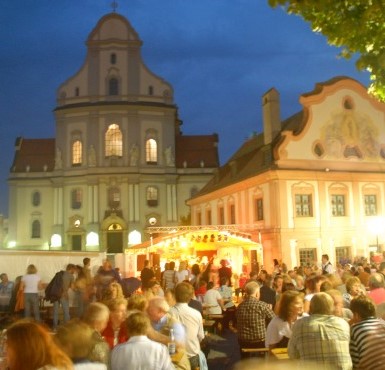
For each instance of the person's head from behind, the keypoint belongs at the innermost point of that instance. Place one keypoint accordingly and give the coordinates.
(252, 289)
(97, 315)
(86, 261)
(137, 324)
(4, 277)
(30, 346)
(338, 301)
(157, 308)
(184, 292)
(376, 281)
(31, 269)
(71, 268)
(362, 307)
(75, 338)
(137, 302)
(321, 304)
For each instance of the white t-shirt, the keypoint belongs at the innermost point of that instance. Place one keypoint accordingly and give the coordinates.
(31, 283)
(210, 299)
(276, 330)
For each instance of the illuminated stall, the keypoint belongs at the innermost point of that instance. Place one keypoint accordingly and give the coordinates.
(197, 246)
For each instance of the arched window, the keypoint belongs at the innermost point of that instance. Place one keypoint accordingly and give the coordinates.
(36, 199)
(151, 151)
(152, 196)
(77, 153)
(114, 141)
(35, 229)
(113, 86)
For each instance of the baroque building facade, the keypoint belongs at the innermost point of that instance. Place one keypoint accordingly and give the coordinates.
(312, 184)
(119, 162)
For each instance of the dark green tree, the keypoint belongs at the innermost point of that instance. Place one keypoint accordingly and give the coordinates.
(355, 26)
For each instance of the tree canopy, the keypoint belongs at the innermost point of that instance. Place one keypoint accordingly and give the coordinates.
(356, 26)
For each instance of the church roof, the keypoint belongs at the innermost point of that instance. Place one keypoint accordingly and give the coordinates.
(195, 151)
(34, 155)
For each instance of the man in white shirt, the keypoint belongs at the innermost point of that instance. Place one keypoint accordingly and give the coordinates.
(139, 352)
(192, 321)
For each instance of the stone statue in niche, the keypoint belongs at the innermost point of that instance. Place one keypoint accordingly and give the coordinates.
(58, 159)
(134, 155)
(169, 157)
(92, 156)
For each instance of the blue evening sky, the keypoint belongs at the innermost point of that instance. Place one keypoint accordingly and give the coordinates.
(220, 56)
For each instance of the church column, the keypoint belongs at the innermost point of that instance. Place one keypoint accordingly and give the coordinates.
(58, 206)
(133, 196)
(171, 202)
(93, 204)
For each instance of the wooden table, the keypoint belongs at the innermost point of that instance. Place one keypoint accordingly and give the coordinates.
(280, 353)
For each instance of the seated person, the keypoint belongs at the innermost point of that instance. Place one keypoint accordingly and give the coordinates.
(75, 339)
(139, 352)
(116, 331)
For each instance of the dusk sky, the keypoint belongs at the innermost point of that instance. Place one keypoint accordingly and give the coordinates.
(220, 56)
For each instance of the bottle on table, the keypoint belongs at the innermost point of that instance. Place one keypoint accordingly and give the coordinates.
(171, 344)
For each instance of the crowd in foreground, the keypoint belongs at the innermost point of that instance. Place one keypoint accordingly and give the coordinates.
(329, 315)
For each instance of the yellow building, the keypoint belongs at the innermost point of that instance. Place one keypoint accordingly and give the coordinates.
(119, 162)
(309, 185)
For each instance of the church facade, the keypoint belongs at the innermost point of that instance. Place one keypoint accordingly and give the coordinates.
(119, 162)
(312, 184)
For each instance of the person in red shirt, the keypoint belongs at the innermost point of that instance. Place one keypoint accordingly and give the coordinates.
(116, 331)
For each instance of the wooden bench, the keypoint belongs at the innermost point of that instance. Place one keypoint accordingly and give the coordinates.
(217, 318)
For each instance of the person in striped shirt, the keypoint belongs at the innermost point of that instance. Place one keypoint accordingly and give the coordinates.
(367, 338)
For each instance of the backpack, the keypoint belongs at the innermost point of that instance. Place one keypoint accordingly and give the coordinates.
(54, 289)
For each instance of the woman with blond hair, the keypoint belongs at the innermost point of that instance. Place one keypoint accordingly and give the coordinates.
(182, 274)
(30, 346)
(31, 284)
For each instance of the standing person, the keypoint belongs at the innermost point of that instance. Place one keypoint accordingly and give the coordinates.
(31, 284)
(6, 288)
(327, 267)
(192, 321)
(147, 274)
(139, 352)
(89, 281)
(225, 271)
(182, 274)
(104, 277)
(321, 337)
(367, 339)
(267, 293)
(252, 315)
(168, 279)
(80, 290)
(67, 281)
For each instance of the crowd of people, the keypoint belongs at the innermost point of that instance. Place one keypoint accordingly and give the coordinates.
(332, 315)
